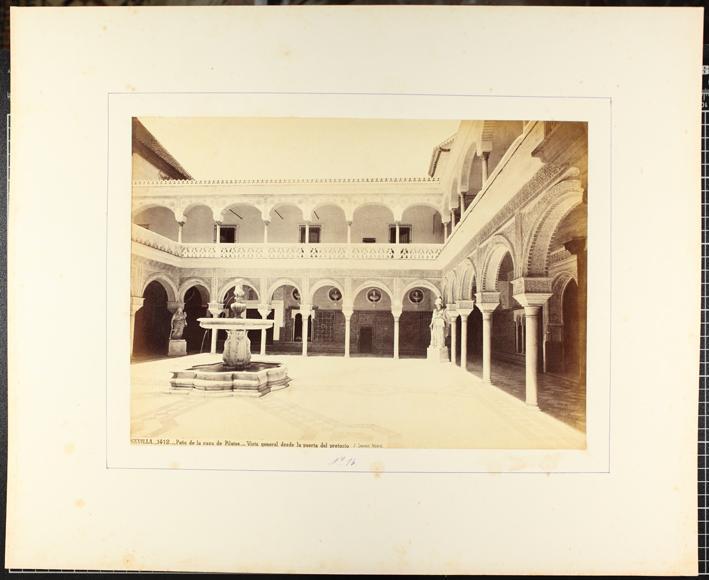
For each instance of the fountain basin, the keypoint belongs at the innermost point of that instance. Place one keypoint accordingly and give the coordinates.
(237, 348)
(234, 323)
(256, 379)
(237, 374)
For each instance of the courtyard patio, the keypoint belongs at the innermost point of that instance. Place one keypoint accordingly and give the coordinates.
(380, 402)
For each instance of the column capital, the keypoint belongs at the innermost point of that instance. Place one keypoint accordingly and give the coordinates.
(348, 312)
(484, 148)
(215, 309)
(452, 311)
(264, 310)
(173, 305)
(531, 291)
(532, 310)
(487, 301)
(267, 221)
(576, 246)
(181, 221)
(306, 310)
(396, 313)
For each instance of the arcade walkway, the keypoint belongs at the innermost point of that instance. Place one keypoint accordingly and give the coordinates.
(556, 395)
(383, 402)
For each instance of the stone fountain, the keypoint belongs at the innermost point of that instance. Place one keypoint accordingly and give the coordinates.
(236, 374)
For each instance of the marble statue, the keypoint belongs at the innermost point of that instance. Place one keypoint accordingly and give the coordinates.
(177, 324)
(439, 322)
(437, 350)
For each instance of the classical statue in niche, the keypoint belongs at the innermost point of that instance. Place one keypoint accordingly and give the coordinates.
(177, 324)
(439, 322)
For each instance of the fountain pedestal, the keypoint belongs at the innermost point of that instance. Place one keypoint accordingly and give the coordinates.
(237, 349)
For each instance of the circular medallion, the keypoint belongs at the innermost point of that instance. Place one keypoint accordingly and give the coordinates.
(416, 296)
(374, 295)
(334, 294)
(295, 294)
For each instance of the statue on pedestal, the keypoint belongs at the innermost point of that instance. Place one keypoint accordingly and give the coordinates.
(437, 350)
(177, 324)
(177, 346)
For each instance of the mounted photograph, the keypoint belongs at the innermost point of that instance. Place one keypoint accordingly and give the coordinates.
(359, 283)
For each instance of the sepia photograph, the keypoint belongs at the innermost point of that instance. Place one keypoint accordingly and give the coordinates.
(354, 289)
(358, 283)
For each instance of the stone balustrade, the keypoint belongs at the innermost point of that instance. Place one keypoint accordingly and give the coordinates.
(280, 251)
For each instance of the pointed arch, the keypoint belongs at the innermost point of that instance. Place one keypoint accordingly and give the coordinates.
(183, 210)
(558, 202)
(297, 204)
(429, 204)
(324, 283)
(224, 290)
(374, 284)
(466, 168)
(283, 282)
(141, 206)
(166, 282)
(451, 285)
(420, 283)
(381, 204)
(187, 284)
(499, 246)
(468, 276)
(555, 303)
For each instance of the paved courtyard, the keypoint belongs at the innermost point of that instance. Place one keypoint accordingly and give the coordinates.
(407, 403)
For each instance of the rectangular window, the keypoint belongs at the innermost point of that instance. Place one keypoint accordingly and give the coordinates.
(227, 234)
(314, 234)
(404, 234)
(369, 240)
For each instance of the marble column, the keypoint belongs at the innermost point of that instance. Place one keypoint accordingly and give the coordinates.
(396, 314)
(487, 302)
(136, 303)
(264, 310)
(532, 294)
(219, 230)
(180, 225)
(397, 232)
(348, 316)
(453, 317)
(305, 313)
(307, 232)
(578, 248)
(349, 232)
(531, 357)
(465, 307)
(265, 230)
(215, 309)
(483, 160)
(462, 204)
(445, 230)
(463, 340)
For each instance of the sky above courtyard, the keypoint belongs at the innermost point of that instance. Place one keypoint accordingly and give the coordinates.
(293, 148)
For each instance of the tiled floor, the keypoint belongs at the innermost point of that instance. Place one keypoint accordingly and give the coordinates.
(408, 403)
(558, 396)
